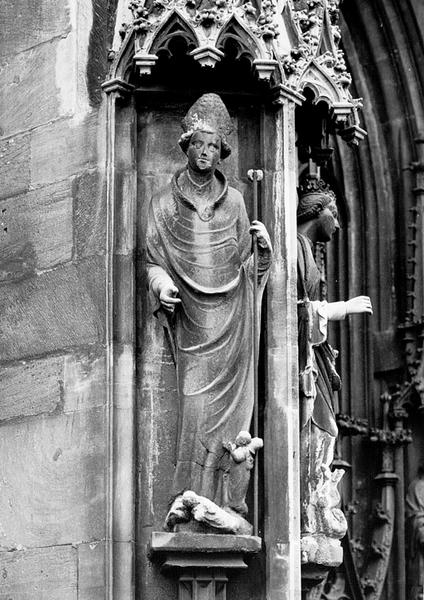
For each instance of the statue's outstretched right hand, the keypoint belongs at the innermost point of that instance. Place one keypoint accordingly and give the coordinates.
(359, 304)
(168, 298)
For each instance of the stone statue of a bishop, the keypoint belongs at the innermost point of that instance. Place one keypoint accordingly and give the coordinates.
(200, 276)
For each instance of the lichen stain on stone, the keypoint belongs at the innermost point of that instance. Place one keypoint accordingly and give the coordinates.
(84, 381)
(57, 454)
(71, 62)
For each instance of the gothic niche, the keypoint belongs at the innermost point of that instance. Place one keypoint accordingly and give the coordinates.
(204, 282)
(196, 224)
(323, 524)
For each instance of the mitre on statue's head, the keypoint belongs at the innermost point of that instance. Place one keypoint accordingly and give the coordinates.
(209, 114)
(314, 195)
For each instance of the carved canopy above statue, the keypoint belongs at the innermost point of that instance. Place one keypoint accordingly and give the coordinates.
(293, 44)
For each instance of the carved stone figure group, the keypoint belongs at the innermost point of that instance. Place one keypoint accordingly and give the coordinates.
(202, 287)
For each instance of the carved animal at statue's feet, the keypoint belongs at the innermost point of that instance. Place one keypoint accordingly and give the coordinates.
(191, 507)
(178, 513)
(331, 520)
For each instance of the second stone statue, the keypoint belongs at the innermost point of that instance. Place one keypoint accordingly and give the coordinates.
(201, 280)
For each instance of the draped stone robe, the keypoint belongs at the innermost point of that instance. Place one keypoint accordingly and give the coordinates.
(318, 382)
(313, 329)
(206, 252)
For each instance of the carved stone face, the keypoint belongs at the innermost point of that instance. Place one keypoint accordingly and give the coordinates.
(204, 151)
(327, 223)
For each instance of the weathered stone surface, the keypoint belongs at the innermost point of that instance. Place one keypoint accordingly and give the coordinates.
(31, 388)
(124, 298)
(249, 584)
(91, 565)
(126, 193)
(39, 574)
(36, 231)
(387, 351)
(14, 165)
(72, 59)
(97, 51)
(167, 132)
(33, 73)
(158, 402)
(126, 126)
(61, 149)
(52, 488)
(89, 195)
(84, 384)
(26, 23)
(59, 309)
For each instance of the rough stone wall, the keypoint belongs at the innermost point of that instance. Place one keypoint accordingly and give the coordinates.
(52, 290)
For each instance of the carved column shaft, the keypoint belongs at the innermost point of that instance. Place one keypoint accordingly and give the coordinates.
(282, 518)
(120, 471)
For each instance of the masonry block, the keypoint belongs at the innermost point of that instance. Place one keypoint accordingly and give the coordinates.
(62, 149)
(39, 574)
(58, 309)
(91, 569)
(26, 23)
(14, 165)
(53, 480)
(36, 231)
(89, 195)
(31, 387)
(28, 95)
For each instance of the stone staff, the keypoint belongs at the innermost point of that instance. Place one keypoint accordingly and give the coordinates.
(254, 176)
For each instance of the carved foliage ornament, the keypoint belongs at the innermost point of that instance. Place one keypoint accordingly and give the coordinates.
(293, 42)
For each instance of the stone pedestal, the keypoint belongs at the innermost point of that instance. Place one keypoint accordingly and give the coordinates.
(202, 562)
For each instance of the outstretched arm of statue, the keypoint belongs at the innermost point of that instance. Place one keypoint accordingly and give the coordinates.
(322, 312)
(163, 288)
(338, 310)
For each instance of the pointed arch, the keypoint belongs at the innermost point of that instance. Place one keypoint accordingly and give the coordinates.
(315, 77)
(246, 43)
(174, 26)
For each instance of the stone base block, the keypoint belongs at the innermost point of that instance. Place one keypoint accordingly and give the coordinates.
(321, 550)
(202, 560)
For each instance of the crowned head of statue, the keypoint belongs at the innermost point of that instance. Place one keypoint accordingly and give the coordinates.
(207, 127)
(317, 209)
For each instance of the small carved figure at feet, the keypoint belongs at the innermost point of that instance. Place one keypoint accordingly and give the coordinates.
(237, 475)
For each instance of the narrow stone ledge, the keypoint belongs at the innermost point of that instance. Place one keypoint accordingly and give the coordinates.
(162, 541)
(205, 550)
